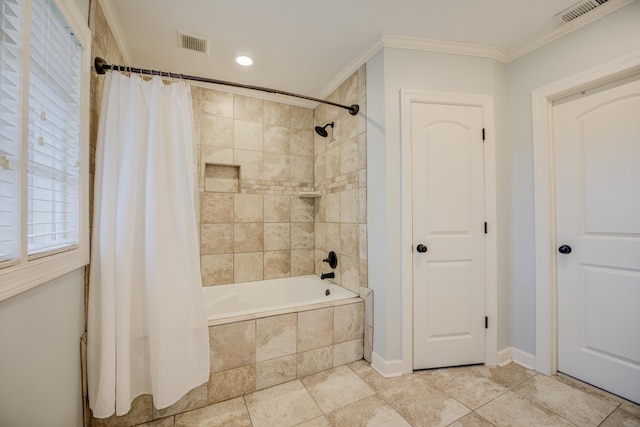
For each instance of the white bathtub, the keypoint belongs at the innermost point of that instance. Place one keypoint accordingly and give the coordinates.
(266, 296)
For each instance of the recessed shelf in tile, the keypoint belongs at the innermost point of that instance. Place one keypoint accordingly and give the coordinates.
(222, 178)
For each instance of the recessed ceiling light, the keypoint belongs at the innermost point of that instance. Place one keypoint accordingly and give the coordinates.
(244, 60)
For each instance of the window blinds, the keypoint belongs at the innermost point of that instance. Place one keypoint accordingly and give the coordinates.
(54, 131)
(11, 36)
(52, 153)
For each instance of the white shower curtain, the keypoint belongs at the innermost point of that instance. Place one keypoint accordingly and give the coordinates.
(147, 329)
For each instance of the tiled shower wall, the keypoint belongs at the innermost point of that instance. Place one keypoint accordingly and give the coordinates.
(340, 174)
(255, 157)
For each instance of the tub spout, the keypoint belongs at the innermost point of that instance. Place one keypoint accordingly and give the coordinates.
(331, 275)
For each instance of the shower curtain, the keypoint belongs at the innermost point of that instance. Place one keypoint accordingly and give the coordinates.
(147, 329)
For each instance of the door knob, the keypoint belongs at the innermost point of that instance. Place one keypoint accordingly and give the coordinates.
(421, 248)
(564, 249)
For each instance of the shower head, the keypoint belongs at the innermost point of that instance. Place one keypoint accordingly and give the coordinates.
(322, 131)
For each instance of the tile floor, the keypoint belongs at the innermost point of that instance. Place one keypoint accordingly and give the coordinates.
(473, 396)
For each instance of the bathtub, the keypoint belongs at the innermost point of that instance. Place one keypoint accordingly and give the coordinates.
(262, 298)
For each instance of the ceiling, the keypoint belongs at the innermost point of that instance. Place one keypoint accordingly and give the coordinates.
(304, 45)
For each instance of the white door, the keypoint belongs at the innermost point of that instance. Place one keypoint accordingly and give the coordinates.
(448, 221)
(597, 152)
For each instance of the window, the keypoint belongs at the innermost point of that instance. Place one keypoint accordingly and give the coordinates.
(44, 63)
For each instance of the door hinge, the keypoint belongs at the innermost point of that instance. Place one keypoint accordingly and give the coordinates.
(485, 228)
(483, 136)
(486, 322)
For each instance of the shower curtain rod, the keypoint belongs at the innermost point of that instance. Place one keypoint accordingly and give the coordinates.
(101, 67)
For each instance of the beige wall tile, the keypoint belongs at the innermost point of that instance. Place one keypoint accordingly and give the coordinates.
(277, 264)
(232, 383)
(277, 236)
(276, 139)
(277, 208)
(248, 237)
(275, 371)
(347, 352)
(248, 108)
(215, 155)
(276, 113)
(247, 135)
(349, 239)
(248, 267)
(302, 235)
(302, 262)
(302, 142)
(301, 209)
(332, 238)
(216, 208)
(332, 161)
(232, 345)
(347, 127)
(217, 103)
(368, 343)
(364, 273)
(333, 207)
(276, 167)
(350, 273)
(250, 164)
(276, 336)
(248, 208)
(194, 399)
(217, 131)
(348, 90)
(362, 178)
(301, 169)
(362, 151)
(313, 361)
(362, 239)
(349, 206)
(319, 168)
(216, 269)
(362, 205)
(349, 156)
(319, 233)
(348, 322)
(315, 329)
(301, 118)
(368, 308)
(216, 239)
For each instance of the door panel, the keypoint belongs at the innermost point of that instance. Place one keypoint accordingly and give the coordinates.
(597, 154)
(448, 217)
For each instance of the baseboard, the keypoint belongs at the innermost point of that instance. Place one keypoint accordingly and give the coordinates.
(386, 368)
(523, 358)
(504, 357)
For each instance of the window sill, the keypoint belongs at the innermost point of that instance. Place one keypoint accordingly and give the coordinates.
(20, 278)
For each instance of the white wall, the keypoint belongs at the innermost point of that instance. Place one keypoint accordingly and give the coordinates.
(40, 330)
(609, 38)
(395, 69)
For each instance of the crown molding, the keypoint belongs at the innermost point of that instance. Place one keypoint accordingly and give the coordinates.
(353, 66)
(442, 46)
(564, 29)
(116, 30)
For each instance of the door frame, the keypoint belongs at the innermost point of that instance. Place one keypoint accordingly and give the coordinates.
(546, 357)
(409, 97)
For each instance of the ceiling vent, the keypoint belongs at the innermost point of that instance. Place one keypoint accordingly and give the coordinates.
(193, 42)
(577, 10)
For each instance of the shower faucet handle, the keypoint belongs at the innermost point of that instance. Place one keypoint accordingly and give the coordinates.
(332, 259)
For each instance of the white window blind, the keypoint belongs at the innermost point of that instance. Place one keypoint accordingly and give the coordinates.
(11, 36)
(54, 133)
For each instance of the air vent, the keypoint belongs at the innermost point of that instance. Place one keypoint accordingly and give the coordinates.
(193, 42)
(578, 9)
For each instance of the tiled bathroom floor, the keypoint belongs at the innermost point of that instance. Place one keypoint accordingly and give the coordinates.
(356, 395)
